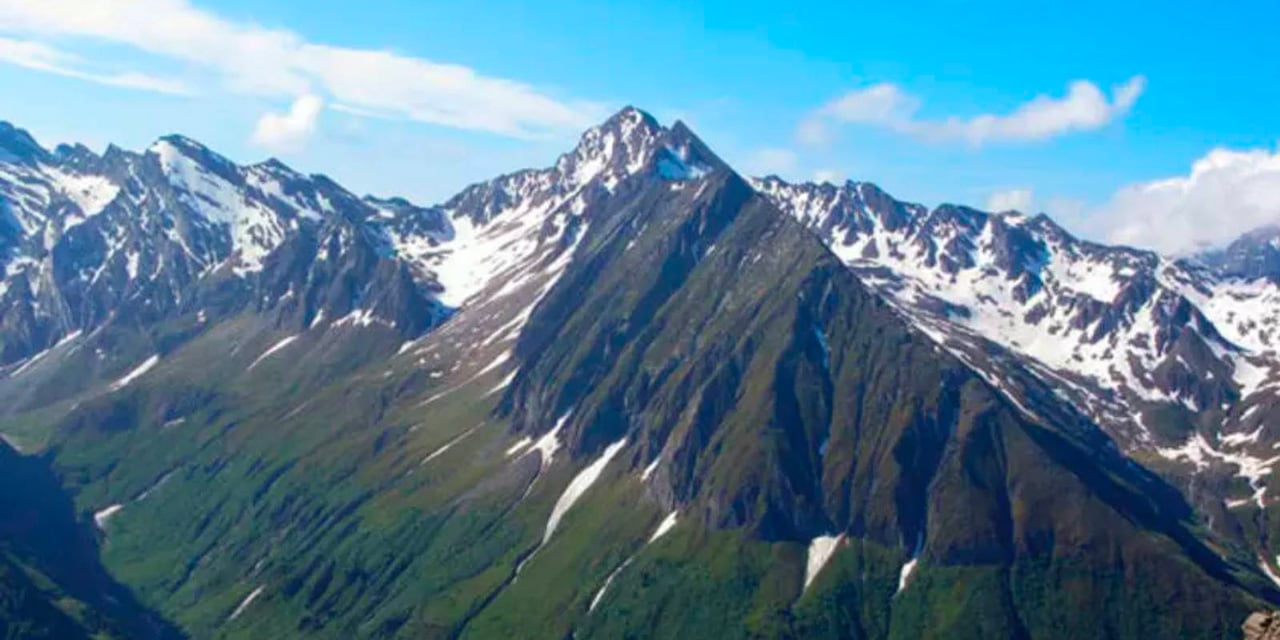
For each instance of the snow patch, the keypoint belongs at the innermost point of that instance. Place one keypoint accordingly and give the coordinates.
(438, 452)
(244, 604)
(821, 549)
(100, 518)
(1266, 568)
(274, 348)
(607, 581)
(905, 574)
(579, 486)
(648, 471)
(135, 374)
(549, 443)
(1197, 451)
(663, 527)
(519, 446)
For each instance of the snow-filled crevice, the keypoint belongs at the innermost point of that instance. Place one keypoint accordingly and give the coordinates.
(821, 549)
(578, 487)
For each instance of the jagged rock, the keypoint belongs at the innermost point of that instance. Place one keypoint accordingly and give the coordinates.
(1262, 625)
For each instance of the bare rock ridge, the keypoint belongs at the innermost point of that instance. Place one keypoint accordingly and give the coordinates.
(630, 394)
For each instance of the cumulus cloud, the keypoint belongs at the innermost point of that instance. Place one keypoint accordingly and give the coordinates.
(1019, 200)
(281, 64)
(1084, 108)
(283, 132)
(41, 57)
(1225, 194)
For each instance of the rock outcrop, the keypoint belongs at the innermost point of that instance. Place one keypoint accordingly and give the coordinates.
(1262, 625)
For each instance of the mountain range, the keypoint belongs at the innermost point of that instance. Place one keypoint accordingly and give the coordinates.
(632, 394)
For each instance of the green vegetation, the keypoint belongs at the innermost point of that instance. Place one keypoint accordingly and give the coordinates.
(781, 399)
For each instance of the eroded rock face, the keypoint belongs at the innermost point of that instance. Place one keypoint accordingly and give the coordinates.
(1262, 625)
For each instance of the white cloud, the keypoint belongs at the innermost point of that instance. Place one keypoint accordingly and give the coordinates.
(1011, 200)
(40, 57)
(771, 161)
(283, 132)
(1084, 108)
(279, 63)
(1226, 194)
(813, 132)
(828, 175)
(881, 103)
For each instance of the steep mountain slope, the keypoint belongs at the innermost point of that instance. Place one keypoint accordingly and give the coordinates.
(52, 584)
(652, 405)
(1175, 361)
(111, 262)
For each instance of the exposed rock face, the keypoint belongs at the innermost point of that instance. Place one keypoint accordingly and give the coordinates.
(1176, 360)
(368, 418)
(1262, 625)
(1254, 255)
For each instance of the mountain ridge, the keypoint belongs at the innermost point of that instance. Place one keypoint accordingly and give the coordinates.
(631, 383)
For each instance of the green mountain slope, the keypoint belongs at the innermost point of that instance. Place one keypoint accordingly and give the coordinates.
(702, 393)
(51, 582)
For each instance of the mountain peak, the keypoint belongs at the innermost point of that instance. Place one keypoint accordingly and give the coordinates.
(188, 147)
(1256, 254)
(632, 141)
(630, 116)
(174, 148)
(19, 144)
(276, 167)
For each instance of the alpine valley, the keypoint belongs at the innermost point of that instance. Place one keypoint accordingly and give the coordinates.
(631, 395)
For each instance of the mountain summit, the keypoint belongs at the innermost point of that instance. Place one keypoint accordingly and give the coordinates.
(632, 394)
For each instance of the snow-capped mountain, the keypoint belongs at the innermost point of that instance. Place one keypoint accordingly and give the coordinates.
(178, 233)
(1175, 360)
(1254, 255)
(179, 230)
(628, 394)
(501, 225)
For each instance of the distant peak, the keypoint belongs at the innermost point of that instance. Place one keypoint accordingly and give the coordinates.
(179, 141)
(16, 142)
(274, 165)
(76, 155)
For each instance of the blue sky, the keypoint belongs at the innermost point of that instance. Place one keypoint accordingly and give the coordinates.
(958, 102)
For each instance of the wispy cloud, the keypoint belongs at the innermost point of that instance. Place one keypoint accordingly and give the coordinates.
(277, 63)
(1084, 107)
(831, 176)
(1225, 194)
(41, 57)
(1020, 200)
(774, 161)
(290, 131)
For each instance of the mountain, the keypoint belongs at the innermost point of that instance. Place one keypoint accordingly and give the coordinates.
(633, 394)
(1175, 360)
(112, 261)
(1254, 255)
(52, 584)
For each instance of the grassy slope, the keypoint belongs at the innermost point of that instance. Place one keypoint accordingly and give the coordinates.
(736, 366)
(51, 582)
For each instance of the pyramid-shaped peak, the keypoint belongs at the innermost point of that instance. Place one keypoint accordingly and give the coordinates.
(633, 141)
(630, 116)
